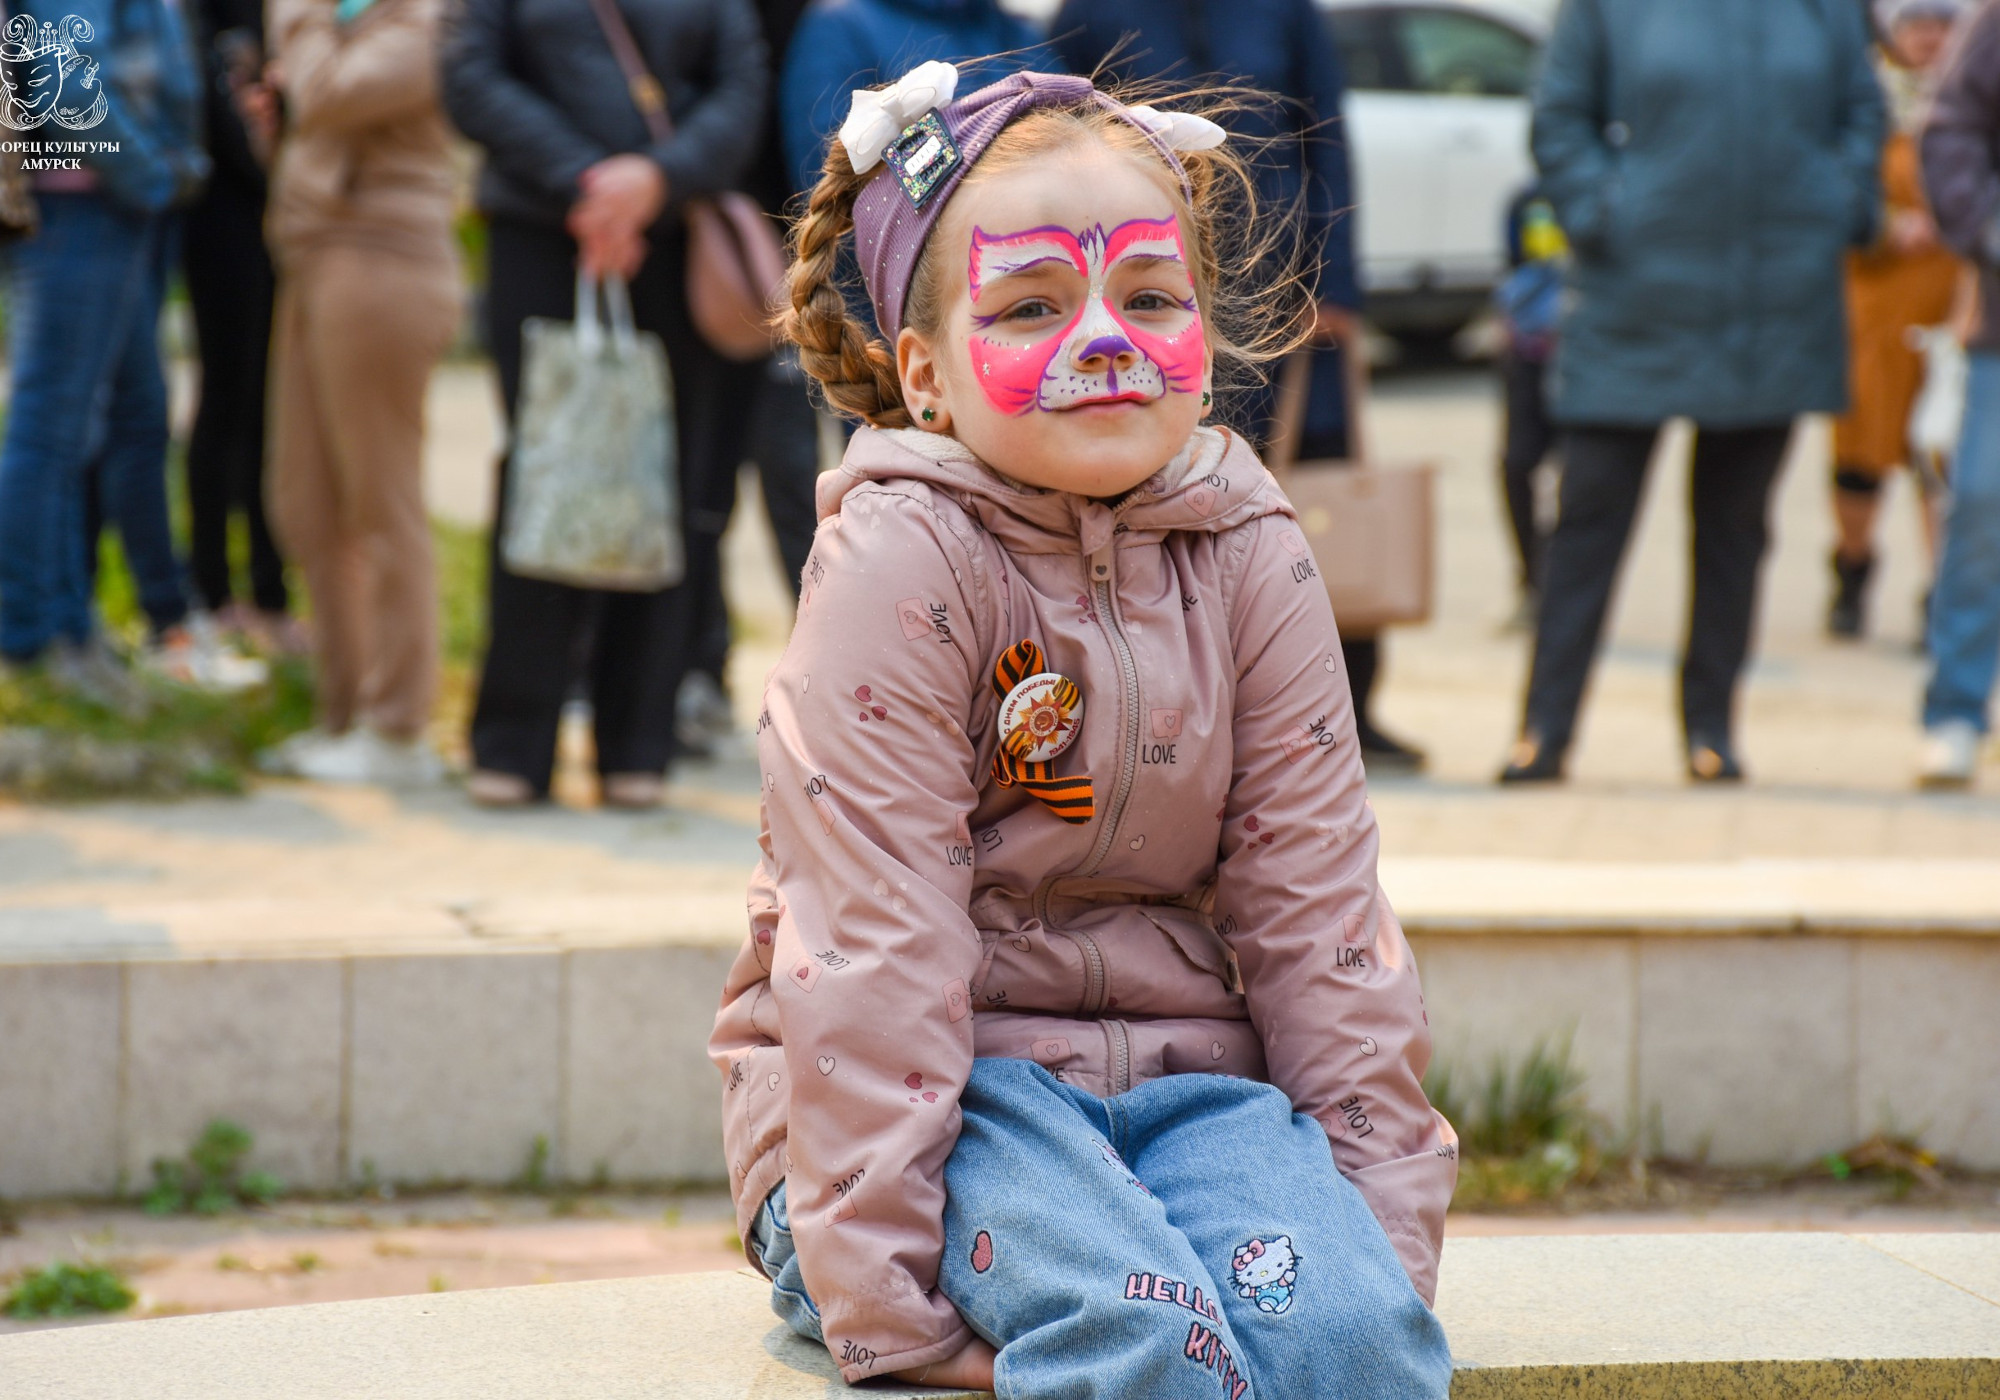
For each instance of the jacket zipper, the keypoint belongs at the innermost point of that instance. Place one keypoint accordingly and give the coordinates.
(1121, 1055)
(1095, 983)
(1101, 566)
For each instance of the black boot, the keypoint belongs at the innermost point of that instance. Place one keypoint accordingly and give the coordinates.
(1532, 761)
(1712, 759)
(1843, 619)
(1381, 755)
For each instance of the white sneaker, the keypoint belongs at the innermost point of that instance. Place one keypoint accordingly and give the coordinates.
(98, 674)
(359, 756)
(1950, 755)
(281, 760)
(702, 717)
(195, 654)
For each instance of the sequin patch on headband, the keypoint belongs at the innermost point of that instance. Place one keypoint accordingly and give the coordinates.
(922, 157)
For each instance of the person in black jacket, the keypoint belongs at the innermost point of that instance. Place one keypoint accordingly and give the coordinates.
(230, 287)
(783, 437)
(571, 174)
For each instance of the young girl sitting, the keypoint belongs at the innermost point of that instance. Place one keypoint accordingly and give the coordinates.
(1074, 1050)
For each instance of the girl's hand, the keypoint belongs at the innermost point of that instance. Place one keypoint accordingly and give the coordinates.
(969, 1368)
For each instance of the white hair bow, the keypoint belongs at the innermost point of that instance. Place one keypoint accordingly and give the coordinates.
(1179, 131)
(880, 115)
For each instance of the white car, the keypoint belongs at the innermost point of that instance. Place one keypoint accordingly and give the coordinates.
(1437, 130)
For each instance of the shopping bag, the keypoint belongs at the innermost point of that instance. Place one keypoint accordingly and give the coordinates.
(592, 496)
(1939, 410)
(1371, 527)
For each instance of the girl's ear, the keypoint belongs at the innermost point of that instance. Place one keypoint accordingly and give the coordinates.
(918, 368)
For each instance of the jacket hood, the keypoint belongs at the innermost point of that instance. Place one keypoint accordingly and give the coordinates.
(1189, 493)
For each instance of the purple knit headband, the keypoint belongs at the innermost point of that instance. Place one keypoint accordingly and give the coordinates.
(926, 161)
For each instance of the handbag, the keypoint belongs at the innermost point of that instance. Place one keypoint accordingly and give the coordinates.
(1372, 529)
(591, 490)
(735, 261)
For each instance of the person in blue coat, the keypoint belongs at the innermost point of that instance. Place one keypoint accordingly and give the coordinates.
(1710, 162)
(1282, 47)
(841, 45)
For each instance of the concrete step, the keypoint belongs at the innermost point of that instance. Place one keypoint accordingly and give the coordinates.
(1722, 1317)
(1758, 1013)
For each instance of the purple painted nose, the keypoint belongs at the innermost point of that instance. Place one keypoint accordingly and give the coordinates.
(1107, 347)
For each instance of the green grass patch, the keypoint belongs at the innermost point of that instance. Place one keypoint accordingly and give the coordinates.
(1524, 1133)
(67, 1290)
(461, 570)
(55, 745)
(211, 1178)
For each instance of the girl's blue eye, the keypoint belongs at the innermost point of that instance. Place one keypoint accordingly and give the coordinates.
(1031, 310)
(1150, 301)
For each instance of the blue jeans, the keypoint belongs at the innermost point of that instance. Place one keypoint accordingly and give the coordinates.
(90, 401)
(1229, 1258)
(1965, 608)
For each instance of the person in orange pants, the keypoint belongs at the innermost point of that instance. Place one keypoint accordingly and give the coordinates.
(1907, 280)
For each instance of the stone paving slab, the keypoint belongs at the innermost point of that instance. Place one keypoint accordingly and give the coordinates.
(1734, 1317)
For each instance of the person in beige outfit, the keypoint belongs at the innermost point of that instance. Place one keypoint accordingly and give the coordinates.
(368, 299)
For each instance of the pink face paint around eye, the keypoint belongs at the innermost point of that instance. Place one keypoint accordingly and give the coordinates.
(1182, 356)
(1011, 375)
(1045, 373)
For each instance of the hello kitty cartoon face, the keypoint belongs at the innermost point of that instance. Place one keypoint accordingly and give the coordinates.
(1266, 1271)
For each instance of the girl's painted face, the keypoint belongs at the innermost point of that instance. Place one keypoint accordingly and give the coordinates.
(1131, 347)
(1072, 353)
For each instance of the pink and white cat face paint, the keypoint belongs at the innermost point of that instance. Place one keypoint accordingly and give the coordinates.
(1134, 335)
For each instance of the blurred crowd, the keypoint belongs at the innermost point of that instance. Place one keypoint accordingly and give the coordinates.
(1744, 214)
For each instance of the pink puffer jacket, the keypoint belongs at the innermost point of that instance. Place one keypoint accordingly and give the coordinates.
(1219, 914)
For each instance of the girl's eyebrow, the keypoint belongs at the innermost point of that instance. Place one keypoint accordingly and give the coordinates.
(996, 256)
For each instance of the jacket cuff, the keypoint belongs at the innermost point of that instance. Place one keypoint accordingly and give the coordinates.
(687, 177)
(1418, 1256)
(876, 1334)
(565, 180)
(906, 1360)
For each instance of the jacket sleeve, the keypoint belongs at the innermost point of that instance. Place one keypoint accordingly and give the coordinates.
(522, 132)
(1578, 169)
(378, 68)
(869, 783)
(1329, 183)
(1959, 175)
(1327, 973)
(1863, 125)
(713, 141)
(823, 63)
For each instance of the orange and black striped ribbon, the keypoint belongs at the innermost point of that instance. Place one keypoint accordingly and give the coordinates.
(1069, 798)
